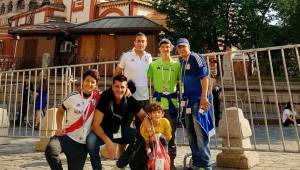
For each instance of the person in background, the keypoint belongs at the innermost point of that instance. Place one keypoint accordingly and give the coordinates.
(27, 94)
(40, 102)
(289, 116)
(216, 92)
(71, 139)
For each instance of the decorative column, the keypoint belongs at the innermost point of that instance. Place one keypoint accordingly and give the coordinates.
(4, 127)
(48, 128)
(239, 133)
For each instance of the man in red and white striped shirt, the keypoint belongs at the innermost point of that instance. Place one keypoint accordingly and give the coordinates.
(71, 138)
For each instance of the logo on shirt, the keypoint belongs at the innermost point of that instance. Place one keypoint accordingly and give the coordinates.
(93, 101)
(132, 60)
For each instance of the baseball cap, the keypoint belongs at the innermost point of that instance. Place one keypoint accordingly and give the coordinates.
(182, 41)
(164, 41)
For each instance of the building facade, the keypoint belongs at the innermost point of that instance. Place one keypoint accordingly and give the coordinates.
(43, 25)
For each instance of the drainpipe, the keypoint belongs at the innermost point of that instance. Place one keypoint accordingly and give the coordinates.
(71, 10)
(15, 52)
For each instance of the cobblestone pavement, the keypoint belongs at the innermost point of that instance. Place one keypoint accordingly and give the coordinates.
(20, 154)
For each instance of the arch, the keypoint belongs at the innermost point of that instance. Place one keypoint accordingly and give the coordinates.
(10, 6)
(112, 10)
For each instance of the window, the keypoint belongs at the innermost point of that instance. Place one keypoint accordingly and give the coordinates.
(78, 5)
(20, 4)
(2, 9)
(9, 6)
(45, 2)
(32, 5)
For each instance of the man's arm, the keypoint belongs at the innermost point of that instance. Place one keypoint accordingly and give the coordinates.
(98, 130)
(96, 126)
(59, 118)
(118, 71)
(144, 118)
(142, 115)
(204, 103)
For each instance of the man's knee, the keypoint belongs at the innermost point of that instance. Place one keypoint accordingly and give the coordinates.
(91, 142)
(53, 148)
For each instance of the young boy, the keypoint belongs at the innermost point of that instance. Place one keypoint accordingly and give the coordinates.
(71, 139)
(161, 127)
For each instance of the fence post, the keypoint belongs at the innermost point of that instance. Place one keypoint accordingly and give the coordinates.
(239, 132)
(4, 125)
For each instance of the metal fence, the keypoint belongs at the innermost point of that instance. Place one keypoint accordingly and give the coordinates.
(260, 94)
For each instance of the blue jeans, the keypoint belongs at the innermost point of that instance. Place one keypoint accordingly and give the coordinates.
(75, 152)
(198, 141)
(94, 142)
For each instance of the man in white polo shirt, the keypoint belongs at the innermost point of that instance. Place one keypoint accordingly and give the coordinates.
(134, 64)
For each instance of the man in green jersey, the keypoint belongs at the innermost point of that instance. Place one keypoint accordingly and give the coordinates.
(165, 74)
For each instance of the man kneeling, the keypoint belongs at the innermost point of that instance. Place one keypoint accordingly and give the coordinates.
(112, 119)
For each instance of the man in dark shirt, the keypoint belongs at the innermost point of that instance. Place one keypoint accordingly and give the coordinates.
(112, 119)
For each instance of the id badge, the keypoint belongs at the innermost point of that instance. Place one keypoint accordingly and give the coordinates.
(159, 164)
(165, 89)
(182, 103)
(188, 66)
(188, 111)
(118, 134)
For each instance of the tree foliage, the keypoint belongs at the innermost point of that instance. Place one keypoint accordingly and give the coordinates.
(243, 22)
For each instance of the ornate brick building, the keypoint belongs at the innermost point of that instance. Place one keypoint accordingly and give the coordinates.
(44, 27)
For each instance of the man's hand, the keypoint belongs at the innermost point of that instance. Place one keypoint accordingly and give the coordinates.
(59, 132)
(110, 147)
(204, 104)
(128, 93)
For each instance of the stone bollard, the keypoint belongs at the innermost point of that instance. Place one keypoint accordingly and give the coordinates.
(48, 127)
(4, 125)
(239, 132)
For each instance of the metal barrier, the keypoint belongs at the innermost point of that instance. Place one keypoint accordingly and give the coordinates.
(260, 95)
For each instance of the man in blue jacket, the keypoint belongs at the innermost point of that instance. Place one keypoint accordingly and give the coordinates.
(198, 118)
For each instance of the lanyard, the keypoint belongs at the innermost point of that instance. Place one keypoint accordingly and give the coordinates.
(162, 71)
(185, 68)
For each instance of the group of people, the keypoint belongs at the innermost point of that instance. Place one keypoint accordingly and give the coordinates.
(93, 119)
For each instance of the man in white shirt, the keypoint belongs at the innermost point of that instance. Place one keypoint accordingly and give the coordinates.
(134, 65)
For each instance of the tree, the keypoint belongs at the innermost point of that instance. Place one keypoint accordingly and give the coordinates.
(246, 22)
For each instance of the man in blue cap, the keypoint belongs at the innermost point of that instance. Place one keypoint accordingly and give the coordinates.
(197, 110)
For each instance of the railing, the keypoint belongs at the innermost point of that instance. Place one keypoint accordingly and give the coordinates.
(260, 98)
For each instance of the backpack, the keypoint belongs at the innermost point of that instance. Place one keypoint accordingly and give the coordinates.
(160, 159)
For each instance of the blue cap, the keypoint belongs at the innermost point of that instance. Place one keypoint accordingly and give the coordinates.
(182, 41)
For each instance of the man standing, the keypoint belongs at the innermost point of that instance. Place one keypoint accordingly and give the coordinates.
(165, 74)
(112, 120)
(197, 115)
(134, 65)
